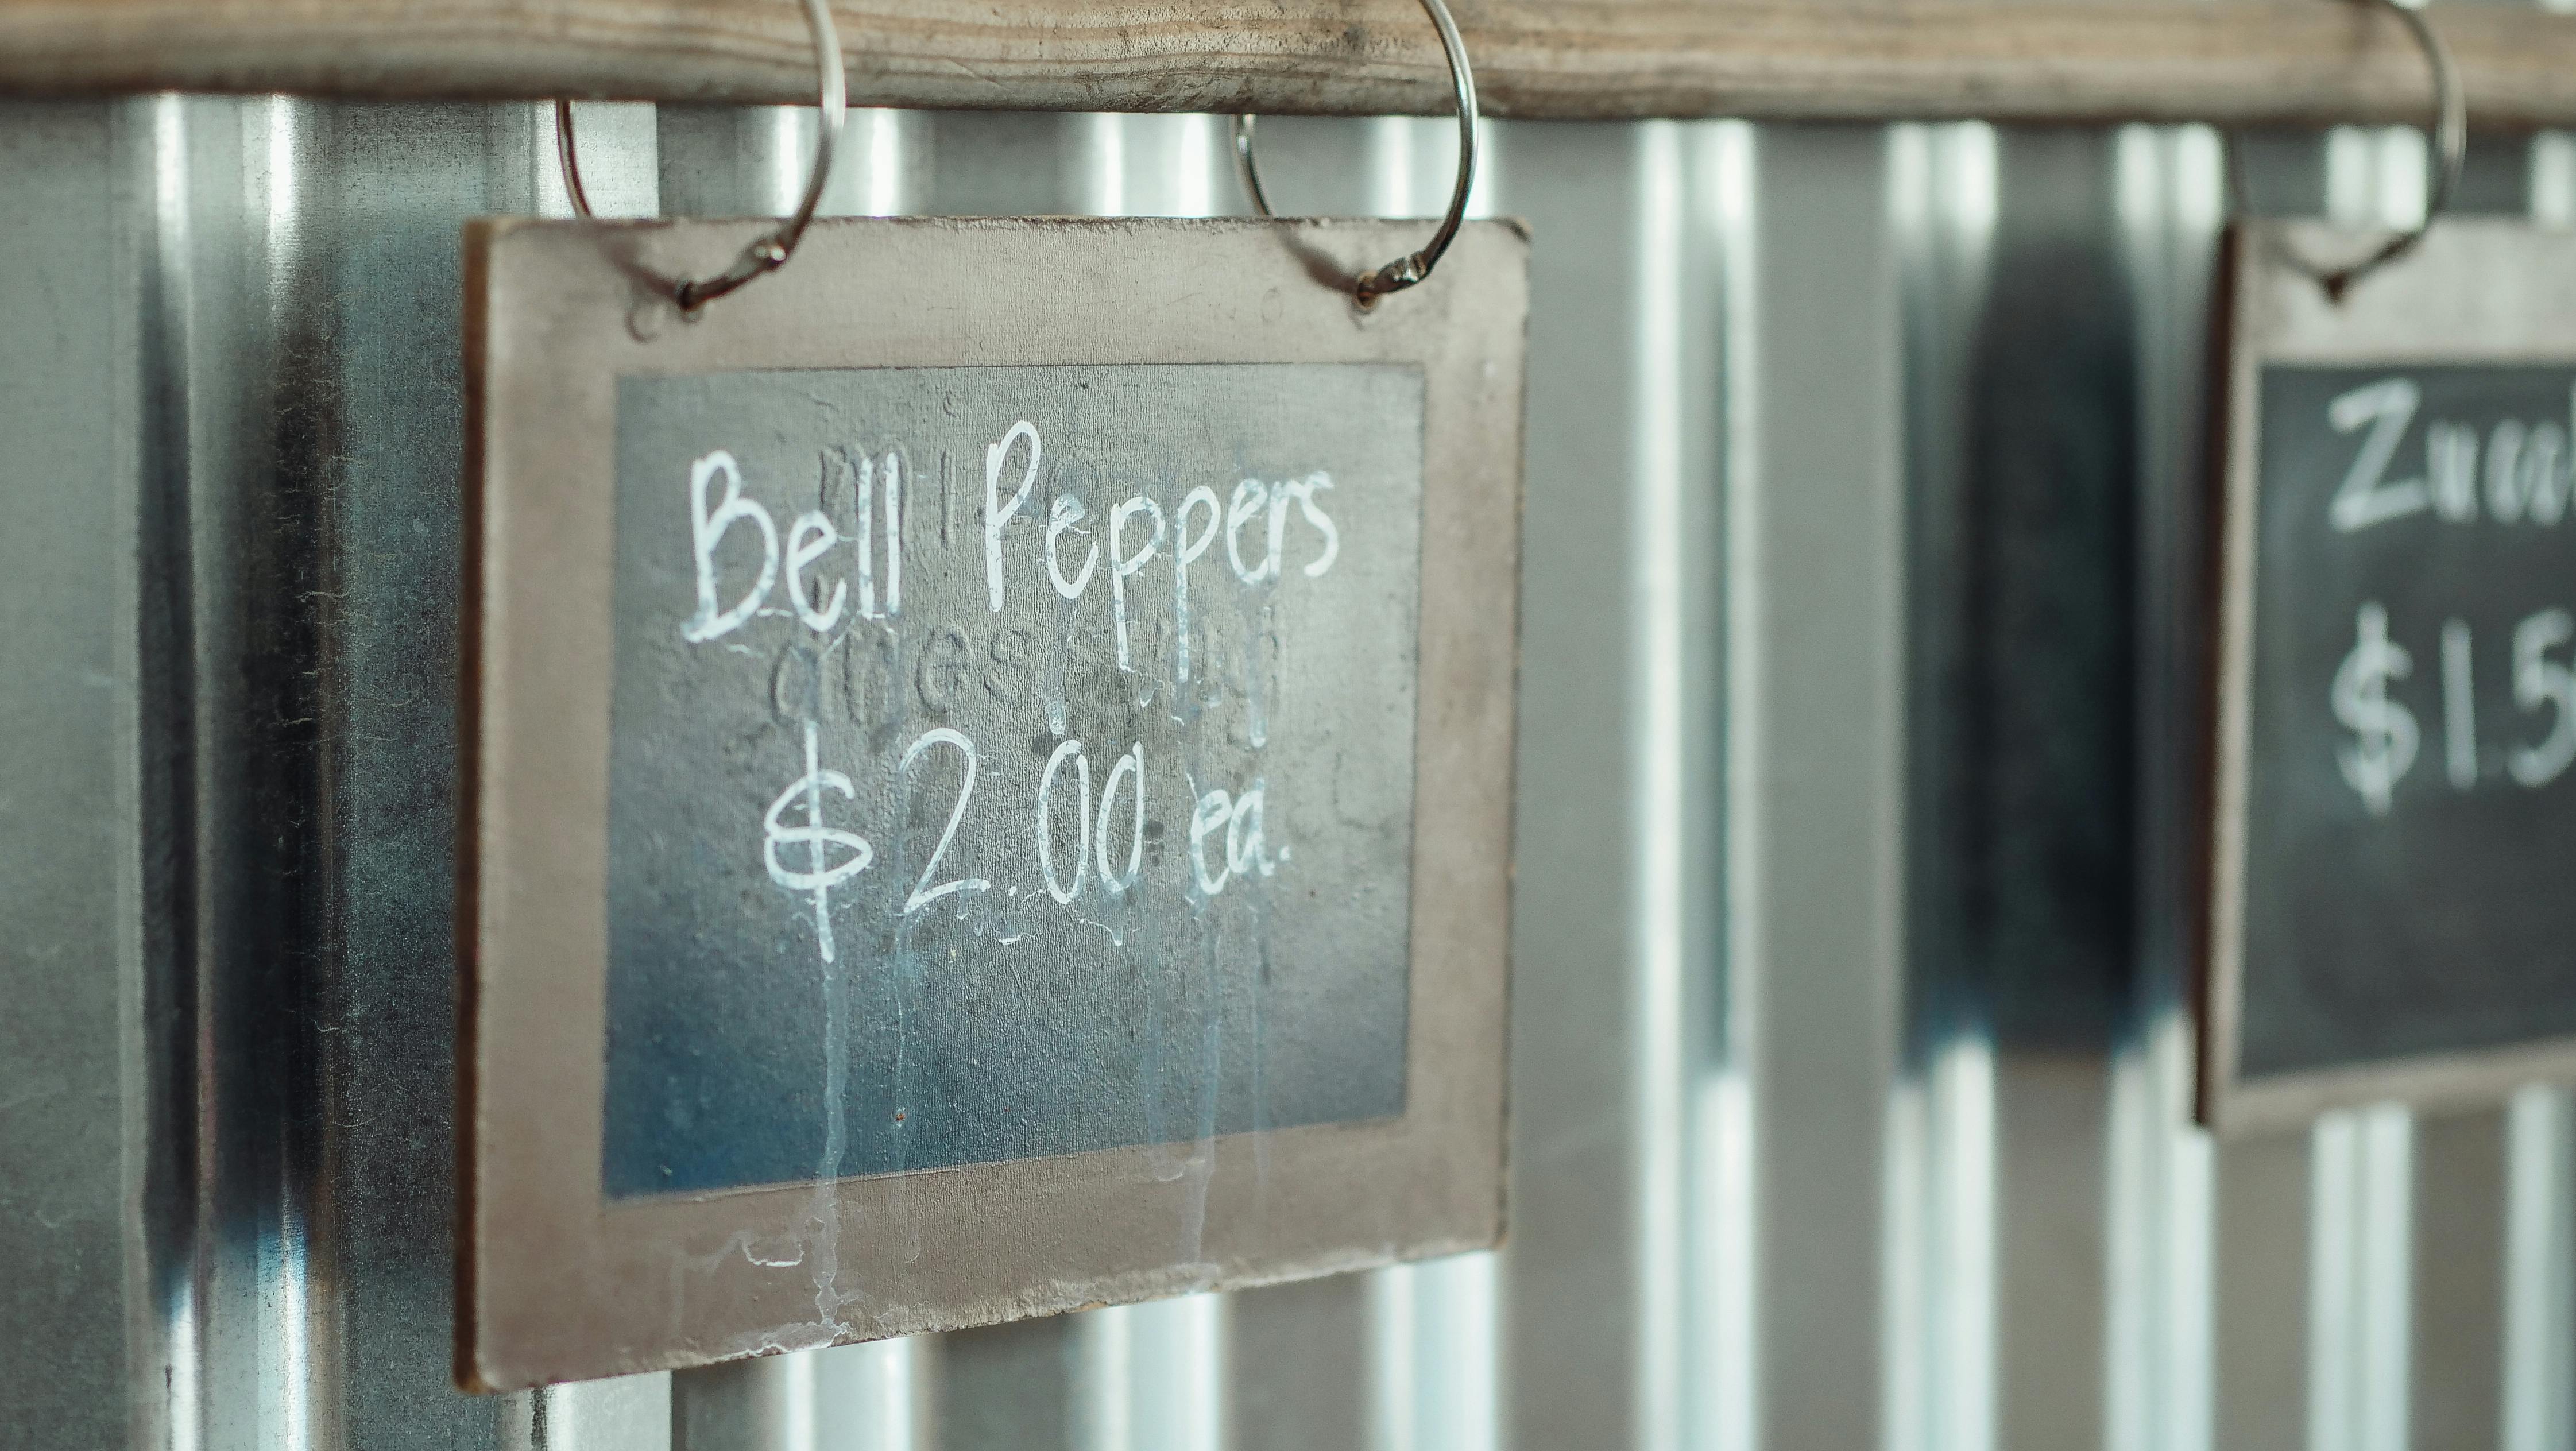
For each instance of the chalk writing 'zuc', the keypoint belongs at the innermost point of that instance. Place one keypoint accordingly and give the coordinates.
(2520, 472)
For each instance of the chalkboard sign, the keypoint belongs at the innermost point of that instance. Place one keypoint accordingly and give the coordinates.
(990, 797)
(2395, 899)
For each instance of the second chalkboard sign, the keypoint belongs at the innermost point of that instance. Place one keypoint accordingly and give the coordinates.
(991, 793)
(2394, 889)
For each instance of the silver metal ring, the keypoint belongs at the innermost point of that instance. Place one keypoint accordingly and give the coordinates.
(2450, 137)
(1403, 272)
(772, 251)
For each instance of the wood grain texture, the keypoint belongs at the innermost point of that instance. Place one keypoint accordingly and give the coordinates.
(2241, 61)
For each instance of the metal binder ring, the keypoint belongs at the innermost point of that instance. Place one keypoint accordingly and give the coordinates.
(1403, 272)
(2449, 135)
(772, 251)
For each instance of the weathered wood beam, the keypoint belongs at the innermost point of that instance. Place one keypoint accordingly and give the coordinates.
(2236, 61)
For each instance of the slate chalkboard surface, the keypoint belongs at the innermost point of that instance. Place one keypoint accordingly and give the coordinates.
(1005, 762)
(2411, 819)
(2394, 891)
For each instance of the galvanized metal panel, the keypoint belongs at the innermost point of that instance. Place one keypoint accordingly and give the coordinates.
(74, 1297)
(1572, 1269)
(1771, 1191)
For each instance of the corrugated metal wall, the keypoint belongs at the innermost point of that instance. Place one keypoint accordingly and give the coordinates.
(1861, 607)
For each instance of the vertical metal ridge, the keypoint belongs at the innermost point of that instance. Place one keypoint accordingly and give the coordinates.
(2260, 1330)
(2359, 1279)
(1571, 1267)
(83, 1173)
(1693, 298)
(1822, 697)
(1746, 880)
(2539, 1272)
(163, 1126)
(1658, 548)
(2170, 199)
(1939, 1334)
(1430, 1380)
(2456, 1311)
(1721, 1375)
(258, 660)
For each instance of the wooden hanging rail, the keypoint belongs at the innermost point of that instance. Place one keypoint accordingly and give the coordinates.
(2237, 61)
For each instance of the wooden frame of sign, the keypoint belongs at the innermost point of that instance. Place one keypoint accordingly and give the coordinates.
(615, 1224)
(2396, 535)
